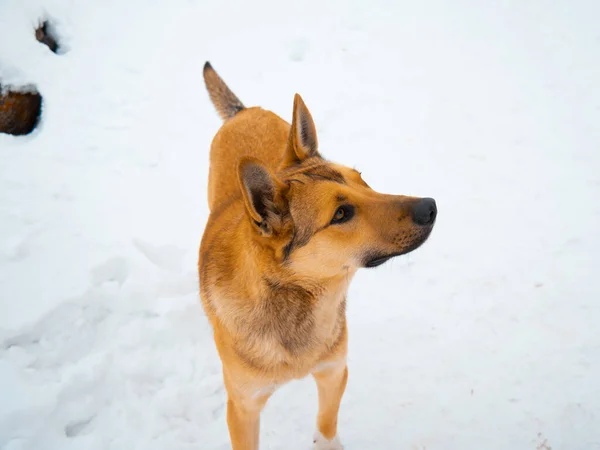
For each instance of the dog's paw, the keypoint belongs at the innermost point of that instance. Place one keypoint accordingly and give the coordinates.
(321, 443)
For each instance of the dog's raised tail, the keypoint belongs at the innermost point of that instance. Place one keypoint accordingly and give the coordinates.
(225, 101)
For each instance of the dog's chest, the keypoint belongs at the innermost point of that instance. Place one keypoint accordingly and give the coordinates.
(302, 321)
(292, 326)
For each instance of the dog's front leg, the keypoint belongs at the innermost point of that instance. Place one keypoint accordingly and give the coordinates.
(244, 425)
(243, 417)
(331, 383)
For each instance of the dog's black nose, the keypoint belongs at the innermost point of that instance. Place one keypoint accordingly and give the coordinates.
(424, 211)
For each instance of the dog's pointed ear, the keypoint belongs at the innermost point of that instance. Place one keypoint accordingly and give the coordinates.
(302, 142)
(260, 190)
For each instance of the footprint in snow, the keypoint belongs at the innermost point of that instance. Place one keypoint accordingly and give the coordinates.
(78, 427)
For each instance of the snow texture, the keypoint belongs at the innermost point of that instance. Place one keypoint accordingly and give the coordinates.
(486, 337)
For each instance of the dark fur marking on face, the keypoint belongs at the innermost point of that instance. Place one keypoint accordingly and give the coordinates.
(300, 240)
(287, 250)
(316, 168)
(323, 172)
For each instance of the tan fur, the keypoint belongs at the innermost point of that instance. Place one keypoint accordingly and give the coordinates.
(225, 101)
(274, 269)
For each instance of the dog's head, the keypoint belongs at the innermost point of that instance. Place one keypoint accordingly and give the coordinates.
(322, 219)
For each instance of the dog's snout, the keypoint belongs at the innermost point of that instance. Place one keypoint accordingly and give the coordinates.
(424, 211)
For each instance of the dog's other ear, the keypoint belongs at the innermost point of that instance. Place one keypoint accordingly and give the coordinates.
(260, 190)
(302, 142)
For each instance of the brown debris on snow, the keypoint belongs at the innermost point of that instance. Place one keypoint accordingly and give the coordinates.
(43, 34)
(19, 111)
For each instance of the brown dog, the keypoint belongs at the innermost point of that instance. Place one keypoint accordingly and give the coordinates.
(287, 231)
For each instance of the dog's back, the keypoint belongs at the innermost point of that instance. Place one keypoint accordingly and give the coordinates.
(246, 132)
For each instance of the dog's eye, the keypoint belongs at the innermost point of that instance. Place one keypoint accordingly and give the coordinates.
(343, 214)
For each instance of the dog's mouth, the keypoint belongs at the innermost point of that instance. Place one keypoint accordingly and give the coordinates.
(377, 259)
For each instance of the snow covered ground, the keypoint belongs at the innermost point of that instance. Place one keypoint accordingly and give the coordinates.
(487, 337)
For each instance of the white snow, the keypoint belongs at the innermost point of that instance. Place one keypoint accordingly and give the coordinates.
(486, 337)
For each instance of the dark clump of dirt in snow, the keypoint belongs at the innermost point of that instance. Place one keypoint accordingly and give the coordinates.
(46, 34)
(19, 110)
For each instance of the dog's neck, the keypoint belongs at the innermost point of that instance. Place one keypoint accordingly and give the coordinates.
(261, 268)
